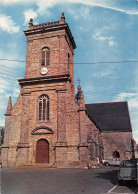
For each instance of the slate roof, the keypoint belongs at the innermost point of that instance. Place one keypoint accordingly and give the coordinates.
(110, 116)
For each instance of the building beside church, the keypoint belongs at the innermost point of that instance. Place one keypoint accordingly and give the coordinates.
(113, 121)
(49, 124)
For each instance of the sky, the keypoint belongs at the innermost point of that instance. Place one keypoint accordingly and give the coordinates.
(106, 57)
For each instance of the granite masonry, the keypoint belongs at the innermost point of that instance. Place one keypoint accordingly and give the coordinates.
(49, 124)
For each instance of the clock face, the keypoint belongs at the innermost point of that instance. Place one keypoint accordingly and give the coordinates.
(44, 71)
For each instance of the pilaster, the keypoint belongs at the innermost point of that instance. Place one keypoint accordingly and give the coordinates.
(23, 145)
(61, 116)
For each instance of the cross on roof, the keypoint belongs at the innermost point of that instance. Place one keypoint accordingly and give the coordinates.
(78, 81)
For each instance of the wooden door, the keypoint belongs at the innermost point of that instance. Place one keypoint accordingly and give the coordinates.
(116, 154)
(42, 151)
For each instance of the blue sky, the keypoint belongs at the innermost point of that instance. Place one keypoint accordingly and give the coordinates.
(104, 31)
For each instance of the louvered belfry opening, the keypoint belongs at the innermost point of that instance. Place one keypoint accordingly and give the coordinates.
(42, 151)
(46, 56)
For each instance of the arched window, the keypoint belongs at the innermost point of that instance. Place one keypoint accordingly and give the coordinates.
(46, 56)
(43, 108)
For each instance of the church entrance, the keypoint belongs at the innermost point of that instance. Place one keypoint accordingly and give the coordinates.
(116, 154)
(42, 151)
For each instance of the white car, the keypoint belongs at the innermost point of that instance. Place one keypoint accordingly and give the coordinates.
(112, 161)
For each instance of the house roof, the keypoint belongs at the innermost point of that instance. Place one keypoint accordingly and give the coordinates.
(110, 116)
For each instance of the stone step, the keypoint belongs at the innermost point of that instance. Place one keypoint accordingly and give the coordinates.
(36, 166)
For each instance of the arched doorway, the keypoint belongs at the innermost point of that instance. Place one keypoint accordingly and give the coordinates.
(42, 151)
(116, 154)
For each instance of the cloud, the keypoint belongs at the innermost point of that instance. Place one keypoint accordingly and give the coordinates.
(102, 74)
(88, 88)
(1, 90)
(42, 4)
(132, 99)
(111, 43)
(82, 12)
(8, 88)
(16, 92)
(98, 36)
(8, 25)
(18, 1)
(45, 4)
(3, 85)
(9, 53)
(109, 39)
(30, 13)
(9, 71)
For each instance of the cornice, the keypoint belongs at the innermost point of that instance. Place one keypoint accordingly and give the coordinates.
(40, 80)
(51, 26)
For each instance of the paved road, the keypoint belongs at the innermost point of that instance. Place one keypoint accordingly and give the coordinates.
(63, 181)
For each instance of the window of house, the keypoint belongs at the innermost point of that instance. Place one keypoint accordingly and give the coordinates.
(43, 108)
(46, 56)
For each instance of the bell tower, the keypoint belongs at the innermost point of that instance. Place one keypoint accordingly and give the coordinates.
(50, 50)
(47, 125)
(47, 92)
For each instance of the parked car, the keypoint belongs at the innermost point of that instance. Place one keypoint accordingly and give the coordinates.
(112, 161)
(128, 171)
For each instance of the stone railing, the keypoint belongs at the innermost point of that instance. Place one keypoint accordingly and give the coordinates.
(44, 25)
(48, 24)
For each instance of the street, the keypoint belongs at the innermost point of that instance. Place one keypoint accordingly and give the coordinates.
(63, 181)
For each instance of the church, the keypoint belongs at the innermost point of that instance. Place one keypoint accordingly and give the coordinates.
(51, 126)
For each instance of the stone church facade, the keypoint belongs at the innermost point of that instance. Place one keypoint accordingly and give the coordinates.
(48, 124)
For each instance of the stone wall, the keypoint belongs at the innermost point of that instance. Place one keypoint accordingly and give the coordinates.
(117, 141)
(74, 141)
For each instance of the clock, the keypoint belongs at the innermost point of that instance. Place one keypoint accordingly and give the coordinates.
(44, 71)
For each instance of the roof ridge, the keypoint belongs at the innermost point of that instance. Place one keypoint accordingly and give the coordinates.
(106, 102)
